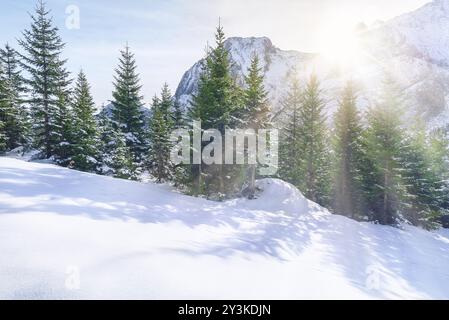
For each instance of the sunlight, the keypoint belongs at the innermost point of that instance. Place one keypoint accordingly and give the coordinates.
(339, 44)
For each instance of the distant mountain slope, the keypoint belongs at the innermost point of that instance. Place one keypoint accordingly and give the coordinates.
(413, 47)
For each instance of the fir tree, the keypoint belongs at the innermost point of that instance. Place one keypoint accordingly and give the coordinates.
(289, 149)
(166, 105)
(425, 190)
(47, 76)
(127, 104)
(255, 111)
(11, 63)
(86, 136)
(382, 177)
(16, 120)
(159, 132)
(439, 158)
(107, 135)
(216, 104)
(314, 165)
(348, 150)
(121, 160)
(178, 118)
(439, 150)
(116, 157)
(62, 136)
(2, 137)
(180, 173)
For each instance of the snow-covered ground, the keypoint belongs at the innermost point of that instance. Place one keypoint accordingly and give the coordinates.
(66, 234)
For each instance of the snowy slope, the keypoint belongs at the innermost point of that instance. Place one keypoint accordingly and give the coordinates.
(413, 47)
(132, 240)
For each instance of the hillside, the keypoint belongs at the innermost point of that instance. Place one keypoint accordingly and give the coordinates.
(136, 240)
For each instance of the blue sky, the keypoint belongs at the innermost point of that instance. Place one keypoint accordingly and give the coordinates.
(168, 36)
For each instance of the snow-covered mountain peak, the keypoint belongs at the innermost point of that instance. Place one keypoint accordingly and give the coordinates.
(276, 63)
(250, 42)
(422, 32)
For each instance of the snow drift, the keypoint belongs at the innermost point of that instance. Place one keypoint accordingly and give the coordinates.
(69, 235)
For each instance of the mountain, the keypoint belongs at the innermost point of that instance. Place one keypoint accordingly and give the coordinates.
(66, 234)
(413, 48)
(278, 65)
(107, 107)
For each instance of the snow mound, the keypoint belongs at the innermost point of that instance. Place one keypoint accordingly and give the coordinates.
(278, 195)
(71, 235)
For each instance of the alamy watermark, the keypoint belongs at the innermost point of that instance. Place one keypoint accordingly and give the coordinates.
(240, 146)
(73, 19)
(73, 278)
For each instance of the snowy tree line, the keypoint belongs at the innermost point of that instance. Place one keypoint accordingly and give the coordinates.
(365, 166)
(368, 166)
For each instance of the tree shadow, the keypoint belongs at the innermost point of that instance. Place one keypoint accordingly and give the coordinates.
(384, 261)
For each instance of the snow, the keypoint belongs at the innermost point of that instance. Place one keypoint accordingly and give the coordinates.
(71, 235)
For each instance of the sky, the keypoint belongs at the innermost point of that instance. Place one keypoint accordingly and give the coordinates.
(169, 36)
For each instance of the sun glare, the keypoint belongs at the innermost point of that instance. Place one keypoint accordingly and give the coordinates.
(339, 45)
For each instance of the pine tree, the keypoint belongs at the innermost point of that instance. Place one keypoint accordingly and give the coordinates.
(256, 110)
(121, 158)
(107, 135)
(47, 76)
(166, 105)
(11, 62)
(159, 132)
(425, 189)
(62, 136)
(178, 117)
(216, 104)
(290, 148)
(2, 137)
(382, 177)
(180, 173)
(127, 104)
(116, 158)
(12, 90)
(313, 136)
(348, 150)
(86, 136)
(439, 150)
(439, 157)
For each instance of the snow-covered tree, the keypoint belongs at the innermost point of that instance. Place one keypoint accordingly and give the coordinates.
(12, 109)
(382, 173)
(290, 123)
(159, 135)
(425, 189)
(116, 157)
(127, 104)
(178, 116)
(47, 77)
(216, 104)
(313, 143)
(256, 111)
(85, 130)
(63, 135)
(439, 155)
(2, 137)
